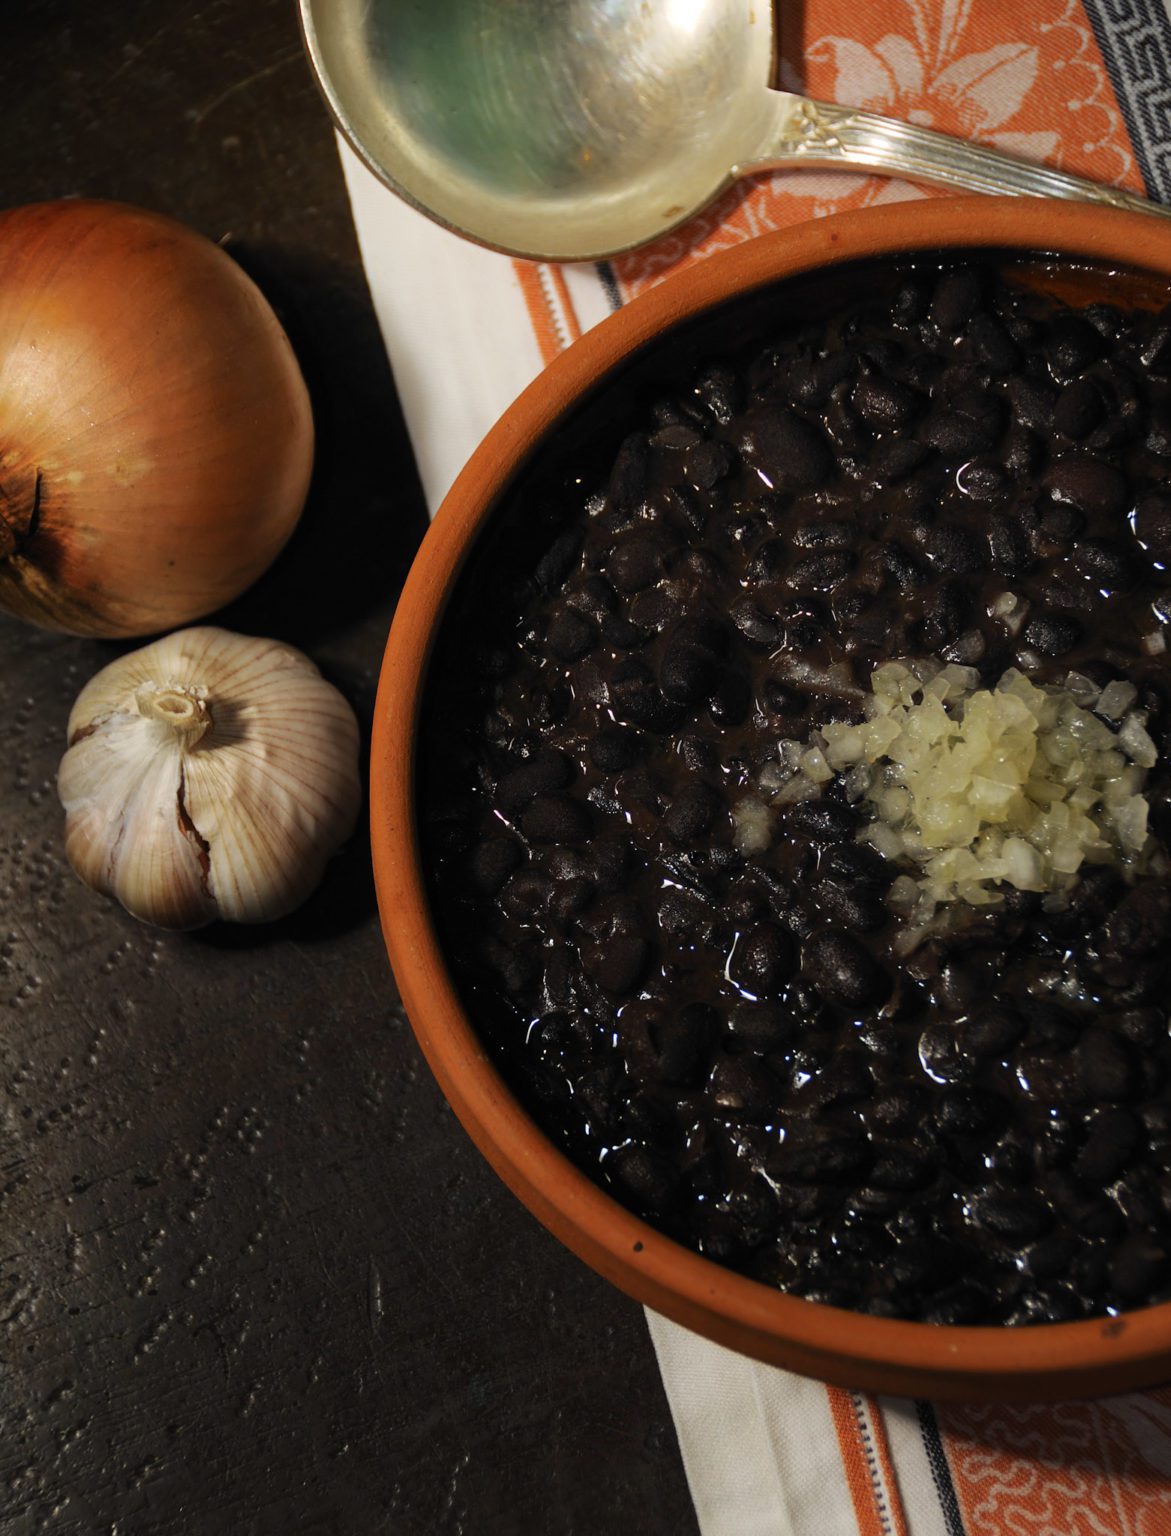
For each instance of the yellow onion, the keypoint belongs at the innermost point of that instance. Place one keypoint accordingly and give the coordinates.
(156, 438)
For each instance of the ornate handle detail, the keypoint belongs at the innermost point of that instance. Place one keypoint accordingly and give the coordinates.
(822, 135)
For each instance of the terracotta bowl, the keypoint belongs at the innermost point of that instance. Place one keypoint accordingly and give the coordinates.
(1051, 1361)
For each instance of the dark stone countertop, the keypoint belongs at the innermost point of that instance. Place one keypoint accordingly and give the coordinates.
(253, 1276)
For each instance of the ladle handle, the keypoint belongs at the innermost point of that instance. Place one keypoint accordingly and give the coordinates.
(822, 135)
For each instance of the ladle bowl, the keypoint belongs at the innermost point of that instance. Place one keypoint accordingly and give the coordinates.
(566, 130)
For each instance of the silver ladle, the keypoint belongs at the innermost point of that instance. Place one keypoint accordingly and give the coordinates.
(570, 130)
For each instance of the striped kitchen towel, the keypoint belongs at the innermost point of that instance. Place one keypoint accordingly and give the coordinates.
(1086, 86)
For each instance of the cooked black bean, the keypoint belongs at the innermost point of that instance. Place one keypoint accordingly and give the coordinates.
(633, 564)
(555, 819)
(719, 390)
(762, 960)
(540, 775)
(493, 861)
(957, 297)
(570, 634)
(637, 699)
(991, 1031)
(819, 572)
(1052, 633)
(991, 344)
(1072, 345)
(883, 404)
(761, 1026)
(615, 963)
(628, 478)
(645, 1176)
(1113, 1136)
(828, 1159)
(1155, 351)
(951, 547)
(1089, 485)
(559, 559)
(844, 971)
(788, 452)
(1019, 1218)
(1079, 409)
(1152, 525)
(756, 627)
(690, 813)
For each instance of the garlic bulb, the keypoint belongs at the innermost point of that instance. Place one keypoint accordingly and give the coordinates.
(209, 775)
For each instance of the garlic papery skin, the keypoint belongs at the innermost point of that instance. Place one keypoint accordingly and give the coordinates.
(208, 775)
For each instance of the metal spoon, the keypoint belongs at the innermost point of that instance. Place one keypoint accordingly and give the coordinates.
(568, 130)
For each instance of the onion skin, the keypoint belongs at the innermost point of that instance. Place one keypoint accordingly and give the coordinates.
(156, 436)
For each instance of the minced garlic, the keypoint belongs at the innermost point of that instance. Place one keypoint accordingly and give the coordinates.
(975, 789)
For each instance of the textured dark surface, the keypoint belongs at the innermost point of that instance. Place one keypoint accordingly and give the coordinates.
(253, 1277)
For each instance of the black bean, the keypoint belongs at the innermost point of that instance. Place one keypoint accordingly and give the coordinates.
(960, 436)
(967, 1113)
(730, 699)
(960, 1305)
(826, 535)
(592, 594)
(569, 897)
(645, 1177)
(1033, 402)
(1023, 451)
(844, 1080)
(558, 560)
(945, 615)
(719, 391)
(788, 452)
(900, 1109)
(760, 1027)
(1079, 409)
(981, 482)
(1104, 563)
(1155, 349)
(1050, 1257)
(1089, 485)
(1106, 1065)
(826, 821)
(856, 863)
(1114, 1135)
(1152, 525)
(1017, 1218)
(911, 301)
(682, 1041)
(992, 1031)
(883, 404)
(708, 464)
(954, 548)
(992, 345)
(740, 1082)
(493, 861)
(957, 297)
(894, 458)
(811, 383)
(828, 1160)
(844, 971)
(690, 813)
(615, 963)
(1052, 634)
(690, 664)
(539, 775)
(762, 960)
(860, 910)
(615, 748)
(820, 572)
(1140, 1266)
(902, 1168)
(628, 479)
(769, 560)
(1142, 923)
(620, 634)
(525, 893)
(636, 698)
(570, 634)
(653, 610)
(555, 819)
(942, 1055)
(1072, 345)
(756, 627)
(908, 574)
(634, 564)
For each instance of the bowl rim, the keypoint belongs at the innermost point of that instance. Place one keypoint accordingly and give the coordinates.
(1087, 1357)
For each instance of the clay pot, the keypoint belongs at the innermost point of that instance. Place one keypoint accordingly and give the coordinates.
(913, 1359)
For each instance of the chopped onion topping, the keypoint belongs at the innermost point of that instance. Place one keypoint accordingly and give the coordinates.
(975, 789)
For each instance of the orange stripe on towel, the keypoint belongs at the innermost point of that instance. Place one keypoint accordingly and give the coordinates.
(555, 324)
(867, 1465)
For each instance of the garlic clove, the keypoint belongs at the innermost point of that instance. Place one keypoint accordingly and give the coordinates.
(209, 775)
